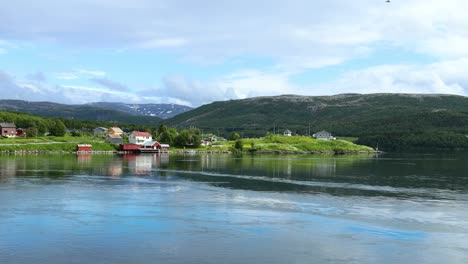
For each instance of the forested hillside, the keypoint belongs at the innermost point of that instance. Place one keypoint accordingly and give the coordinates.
(364, 116)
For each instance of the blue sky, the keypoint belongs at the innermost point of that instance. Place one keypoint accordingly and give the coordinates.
(197, 52)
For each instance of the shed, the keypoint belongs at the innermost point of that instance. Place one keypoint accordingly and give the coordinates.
(152, 145)
(165, 147)
(84, 147)
(129, 147)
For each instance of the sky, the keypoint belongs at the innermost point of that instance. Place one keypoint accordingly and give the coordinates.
(196, 52)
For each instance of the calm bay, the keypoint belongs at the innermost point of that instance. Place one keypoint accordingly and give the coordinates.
(201, 208)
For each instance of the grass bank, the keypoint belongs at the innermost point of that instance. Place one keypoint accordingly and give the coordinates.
(53, 144)
(283, 144)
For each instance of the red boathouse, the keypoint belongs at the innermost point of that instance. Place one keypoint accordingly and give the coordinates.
(84, 147)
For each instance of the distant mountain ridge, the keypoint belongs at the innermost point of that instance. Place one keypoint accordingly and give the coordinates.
(80, 112)
(142, 114)
(163, 111)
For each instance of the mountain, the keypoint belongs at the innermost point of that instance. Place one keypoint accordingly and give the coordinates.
(80, 112)
(163, 111)
(343, 115)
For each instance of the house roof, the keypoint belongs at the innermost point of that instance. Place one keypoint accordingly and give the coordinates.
(287, 131)
(114, 136)
(323, 131)
(12, 125)
(116, 129)
(141, 134)
(101, 128)
(165, 145)
(151, 143)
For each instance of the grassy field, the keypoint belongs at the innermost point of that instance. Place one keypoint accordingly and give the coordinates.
(349, 139)
(46, 143)
(282, 144)
(270, 144)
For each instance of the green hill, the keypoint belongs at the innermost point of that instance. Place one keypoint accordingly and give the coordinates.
(352, 115)
(80, 112)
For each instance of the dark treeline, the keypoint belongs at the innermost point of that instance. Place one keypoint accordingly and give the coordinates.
(37, 125)
(398, 141)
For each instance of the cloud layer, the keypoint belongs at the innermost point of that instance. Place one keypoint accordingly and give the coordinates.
(296, 36)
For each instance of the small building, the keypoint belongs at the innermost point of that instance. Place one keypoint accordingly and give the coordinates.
(98, 131)
(129, 147)
(165, 147)
(84, 147)
(114, 139)
(323, 135)
(152, 145)
(115, 131)
(20, 132)
(7, 130)
(139, 138)
(287, 133)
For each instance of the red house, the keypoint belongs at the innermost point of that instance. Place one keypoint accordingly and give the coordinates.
(152, 145)
(84, 147)
(20, 132)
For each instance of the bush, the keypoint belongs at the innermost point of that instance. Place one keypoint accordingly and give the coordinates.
(239, 145)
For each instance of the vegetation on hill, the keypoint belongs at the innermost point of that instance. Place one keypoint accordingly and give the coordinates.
(299, 144)
(372, 117)
(37, 125)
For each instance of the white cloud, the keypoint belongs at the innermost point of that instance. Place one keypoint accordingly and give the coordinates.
(66, 75)
(204, 30)
(78, 74)
(296, 35)
(446, 77)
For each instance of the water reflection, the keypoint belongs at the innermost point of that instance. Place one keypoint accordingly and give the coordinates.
(231, 209)
(430, 176)
(145, 163)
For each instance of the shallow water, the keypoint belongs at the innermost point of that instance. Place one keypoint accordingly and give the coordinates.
(390, 208)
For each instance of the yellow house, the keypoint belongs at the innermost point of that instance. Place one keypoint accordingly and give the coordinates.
(115, 131)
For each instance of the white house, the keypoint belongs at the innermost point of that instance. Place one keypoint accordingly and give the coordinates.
(324, 135)
(139, 138)
(287, 133)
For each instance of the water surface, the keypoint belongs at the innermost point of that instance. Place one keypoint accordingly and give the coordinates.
(391, 208)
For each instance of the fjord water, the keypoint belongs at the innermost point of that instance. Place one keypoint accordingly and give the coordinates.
(390, 208)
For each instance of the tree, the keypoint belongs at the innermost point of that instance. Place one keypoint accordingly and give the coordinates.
(235, 136)
(57, 128)
(183, 139)
(239, 145)
(187, 138)
(162, 129)
(166, 135)
(75, 133)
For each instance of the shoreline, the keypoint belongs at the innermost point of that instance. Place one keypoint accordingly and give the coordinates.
(99, 152)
